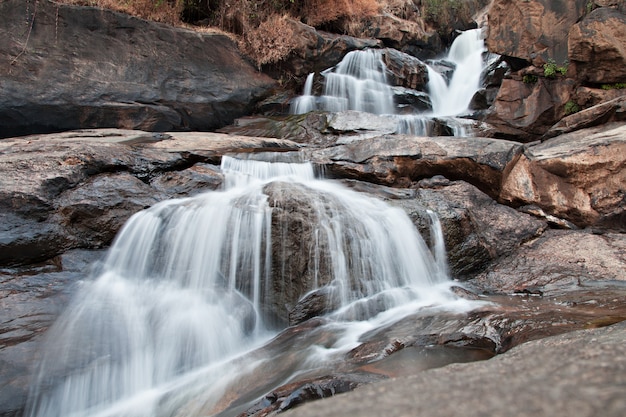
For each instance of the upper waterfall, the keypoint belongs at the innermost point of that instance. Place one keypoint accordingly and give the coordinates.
(359, 82)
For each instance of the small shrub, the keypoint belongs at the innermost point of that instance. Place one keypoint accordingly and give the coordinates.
(529, 79)
(571, 107)
(614, 86)
(551, 69)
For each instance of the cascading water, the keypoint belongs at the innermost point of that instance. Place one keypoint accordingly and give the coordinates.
(183, 289)
(359, 83)
(466, 54)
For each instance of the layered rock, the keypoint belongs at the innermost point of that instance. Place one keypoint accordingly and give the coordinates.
(79, 67)
(400, 160)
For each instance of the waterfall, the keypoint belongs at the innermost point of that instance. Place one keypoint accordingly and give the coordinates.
(185, 286)
(359, 83)
(306, 102)
(466, 54)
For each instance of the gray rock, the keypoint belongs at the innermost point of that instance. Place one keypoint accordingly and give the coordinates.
(577, 374)
(82, 67)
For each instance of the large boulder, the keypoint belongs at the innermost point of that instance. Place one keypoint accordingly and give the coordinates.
(605, 112)
(526, 110)
(533, 31)
(75, 67)
(597, 48)
(578, 176)
(400, 160)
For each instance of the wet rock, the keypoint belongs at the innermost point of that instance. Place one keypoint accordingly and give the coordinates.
(406, 70)
(75, 189)
(30, 300)
(476, 229)
(84, 67)
(540, 377)
(594, 46)
(197, 179)
(292, 395)
(578, 176)
(96, 210)
(316, 303)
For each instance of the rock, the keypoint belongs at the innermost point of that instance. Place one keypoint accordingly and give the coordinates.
(196, 179)
(558, 260)
(578, 176)
(527, 110)
(588, 97)
(400, 160)
(595, 46)
(75, 189)
(83, 67)
(534, 30)
(606, 112)
(542, 377)
(476, 229)
(407, 71)
(96, 210)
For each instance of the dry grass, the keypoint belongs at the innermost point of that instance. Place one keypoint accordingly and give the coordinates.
(166, 11)
(261, 26)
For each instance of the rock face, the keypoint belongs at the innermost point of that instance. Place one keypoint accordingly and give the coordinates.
(533, 30)
(79, 67)
(596, 46)
(578, 176)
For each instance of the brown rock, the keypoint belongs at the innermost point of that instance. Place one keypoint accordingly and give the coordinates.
(588, 97)
(531, 108)
(533, 30)
(596, 46)
(606, 112)
(578, 176)
(315, 51)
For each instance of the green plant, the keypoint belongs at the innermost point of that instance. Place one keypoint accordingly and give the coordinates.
(614, 86)
(529, 79)
(571, 107)
(551, 69)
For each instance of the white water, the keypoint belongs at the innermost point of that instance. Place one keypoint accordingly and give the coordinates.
(359, 83)
(466, 53)
(180, 295)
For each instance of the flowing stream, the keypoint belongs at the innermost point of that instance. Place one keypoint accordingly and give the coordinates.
(177, 313)
(359, 82)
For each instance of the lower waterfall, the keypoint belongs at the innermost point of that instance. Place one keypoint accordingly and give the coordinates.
(191, 285)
